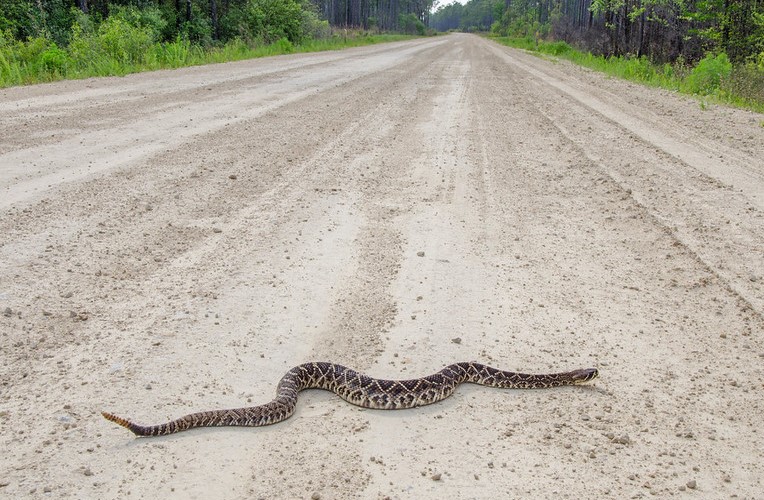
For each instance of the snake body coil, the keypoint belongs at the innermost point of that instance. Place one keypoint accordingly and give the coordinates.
(361, 390)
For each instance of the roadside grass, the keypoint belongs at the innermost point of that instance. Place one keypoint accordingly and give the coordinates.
(40, 60)
(713, 79)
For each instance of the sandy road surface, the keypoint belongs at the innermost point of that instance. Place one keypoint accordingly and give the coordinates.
(175, 241)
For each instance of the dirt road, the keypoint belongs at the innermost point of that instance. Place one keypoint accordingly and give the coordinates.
(175, 241)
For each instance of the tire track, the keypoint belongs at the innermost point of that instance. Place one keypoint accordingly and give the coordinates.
(683, 220)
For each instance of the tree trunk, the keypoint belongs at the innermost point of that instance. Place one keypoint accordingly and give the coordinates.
(643, 19)
(83, 5)
(214, 19)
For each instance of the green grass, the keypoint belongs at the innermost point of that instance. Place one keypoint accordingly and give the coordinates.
(713, 79)
(39, 60)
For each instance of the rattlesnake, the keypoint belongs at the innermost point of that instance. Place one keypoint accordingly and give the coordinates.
(361, 390)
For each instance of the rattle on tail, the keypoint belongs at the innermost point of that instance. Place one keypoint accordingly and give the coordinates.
(361, 390)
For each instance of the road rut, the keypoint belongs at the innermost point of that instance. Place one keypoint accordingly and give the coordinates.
(175, 241)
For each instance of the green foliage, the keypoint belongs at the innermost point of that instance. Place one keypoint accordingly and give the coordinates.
(18, 19)
(284, 46)
(447, 17)
(521, 19)
(481, 14)
(198, 29)
(119, 39)
(313, 27)
(42, 40)
(410, 24)
(475, 15)
(267, 21)
(150, 19)
(283, 19)
(603, 6)
(713, 78)
(42, 60)
(707, 76)
(54, 60)
(746, 81)
(557, 48)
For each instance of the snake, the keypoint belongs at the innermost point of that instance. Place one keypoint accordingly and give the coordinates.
(361, 390)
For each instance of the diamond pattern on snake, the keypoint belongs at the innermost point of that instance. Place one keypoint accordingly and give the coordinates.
(361, 390)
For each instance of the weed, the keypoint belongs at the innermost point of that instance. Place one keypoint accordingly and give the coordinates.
(714, 78)
(707, 76)
(122, 45)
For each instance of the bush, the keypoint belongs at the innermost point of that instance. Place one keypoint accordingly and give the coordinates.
(54, 60)
(746, 81)
(268, 21)
(123, 41)
(556, 48)
(198, 30)
(410, 24)
(313, 27)
(284, 46)
(707, 76)
(281, 19)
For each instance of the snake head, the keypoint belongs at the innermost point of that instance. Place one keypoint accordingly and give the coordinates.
(584, 375)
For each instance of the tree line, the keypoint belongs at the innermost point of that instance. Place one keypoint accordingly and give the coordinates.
(661, 30)
(212, 21)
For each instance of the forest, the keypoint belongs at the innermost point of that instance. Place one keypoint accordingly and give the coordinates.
(210, 21)
(710, 48)
(661, 30)
(43, 40)
(697, 46)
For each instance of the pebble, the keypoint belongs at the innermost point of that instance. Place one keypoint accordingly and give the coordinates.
(217, 230)
(436, 477)
(316, 495)
(623, 439)
(456, 340)
(692, 484)
(420, 254)
(233, 178)
(7, 312)
(88, 472)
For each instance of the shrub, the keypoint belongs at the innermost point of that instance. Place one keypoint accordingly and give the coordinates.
(313, 27)
(149, 18)
(54, 60)
(410, 24)
(30, 52)
(747, 82)
(556, 48)
(173, 54)
(281, 19)
(123, 41)
(706, 77)
(198, 30)
(268, 21)
(284, 46)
